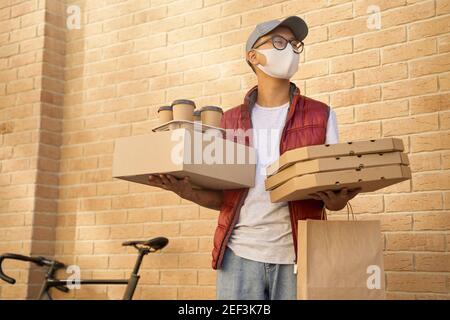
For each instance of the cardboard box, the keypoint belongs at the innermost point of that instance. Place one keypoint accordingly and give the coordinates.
(369, 179)
(334, 150)
(210, 161)
(333, 164)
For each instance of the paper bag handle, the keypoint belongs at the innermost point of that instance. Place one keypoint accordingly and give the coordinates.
(349, 205)
(349, 208)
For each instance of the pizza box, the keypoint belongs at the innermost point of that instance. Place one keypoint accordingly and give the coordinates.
(334, 150)
(335, 163)
(368, 179)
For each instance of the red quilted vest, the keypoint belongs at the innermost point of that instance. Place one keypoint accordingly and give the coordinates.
(305, 125)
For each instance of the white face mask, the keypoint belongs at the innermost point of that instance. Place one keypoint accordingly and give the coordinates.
(281, 64)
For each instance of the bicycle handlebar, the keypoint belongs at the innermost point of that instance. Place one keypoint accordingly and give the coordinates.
(40, 261)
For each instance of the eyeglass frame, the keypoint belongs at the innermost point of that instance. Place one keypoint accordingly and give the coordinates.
(287, 41)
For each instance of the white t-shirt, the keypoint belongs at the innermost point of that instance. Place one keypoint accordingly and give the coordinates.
(263, 231)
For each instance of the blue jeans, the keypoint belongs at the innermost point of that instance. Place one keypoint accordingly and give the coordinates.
(244, 279)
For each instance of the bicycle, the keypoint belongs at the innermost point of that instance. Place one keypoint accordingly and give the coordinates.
(143, 247)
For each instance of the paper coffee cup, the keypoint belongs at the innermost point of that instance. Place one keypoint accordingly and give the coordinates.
(197, 116)
(183, 109)
(211, 115)
(165, 114)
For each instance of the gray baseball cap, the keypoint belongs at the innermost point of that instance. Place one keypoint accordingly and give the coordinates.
(296, 24)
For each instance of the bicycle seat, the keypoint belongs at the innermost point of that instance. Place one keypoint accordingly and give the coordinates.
(155, 243)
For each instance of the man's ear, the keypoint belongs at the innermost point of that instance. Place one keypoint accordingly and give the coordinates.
(252, 57)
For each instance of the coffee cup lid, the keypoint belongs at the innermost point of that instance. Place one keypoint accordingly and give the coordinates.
(162, 108)
(211, 108)
(183, 101)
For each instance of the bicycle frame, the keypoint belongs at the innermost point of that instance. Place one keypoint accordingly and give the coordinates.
(51, 282)
(143, 247)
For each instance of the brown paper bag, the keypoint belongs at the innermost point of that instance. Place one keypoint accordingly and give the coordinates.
(340, 260)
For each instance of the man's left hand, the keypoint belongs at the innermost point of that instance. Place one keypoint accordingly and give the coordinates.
(335, 201)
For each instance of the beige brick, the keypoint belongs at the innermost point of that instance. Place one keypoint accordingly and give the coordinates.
(328, 49)
(444, 120)
(158, 293)
(221, 25)
(407, 88)
(348, 28)
(430, 141)
(132, 231)
(201, 75)
(381, 110)
(184, 34)
(182, 245)
(430, 103)
(444, 82)
(444, 44)
(353, 132)
(186, 91)
(409, 50)
(184, 63)
(207, 293)
(180, 213)
(445, 160)
(223, 54)
(304, 6)
(432, 262)
(415, 282)
(434, 64)
(166, 229)
(144, 215)
(415, 241)
(408, 14)
(420, 162)
(414, 124)
(93, 233)
(221, 85)
(86, 262)
(396, 261)
(312, 69)
(428, 28)
(330, 15)
(178, 277)
(355, 96)
(355, 61)
(198, 228)
(195, 261)
(329, 83)
(269, 12)
(431, 181)
(413, 202)
(19, 86)
(381, 74)
(24, 8)
(360, 7)
(431, 221)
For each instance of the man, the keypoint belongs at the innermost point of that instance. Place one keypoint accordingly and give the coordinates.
(255, 240)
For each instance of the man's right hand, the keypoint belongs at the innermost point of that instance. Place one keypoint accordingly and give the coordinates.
(181, 187)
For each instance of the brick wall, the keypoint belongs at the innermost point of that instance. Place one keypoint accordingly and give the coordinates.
(66, 94)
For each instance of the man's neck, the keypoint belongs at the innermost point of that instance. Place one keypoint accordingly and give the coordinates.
(273, 92)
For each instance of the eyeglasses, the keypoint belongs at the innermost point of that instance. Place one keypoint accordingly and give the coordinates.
(280, 43)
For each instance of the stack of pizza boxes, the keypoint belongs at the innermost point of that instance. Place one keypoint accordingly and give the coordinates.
(369, 165)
